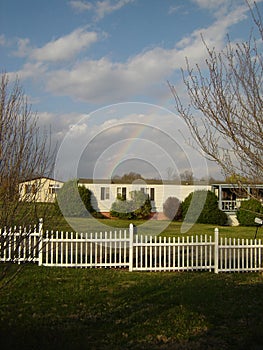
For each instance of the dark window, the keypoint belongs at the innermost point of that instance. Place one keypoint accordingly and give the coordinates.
(121, 193)
(30, 189)
(152, 194)
(104, 193)
(124, 193)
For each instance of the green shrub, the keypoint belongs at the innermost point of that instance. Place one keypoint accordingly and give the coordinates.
(172, 208)
(73, 200)
(248, 211)
(121, 209)
(204, 209)
(139, 207)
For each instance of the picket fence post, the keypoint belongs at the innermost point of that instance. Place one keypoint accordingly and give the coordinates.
(216, 255)
(40, 245)
(131, 233)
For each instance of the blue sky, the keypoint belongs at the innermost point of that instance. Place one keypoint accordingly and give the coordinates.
(82, 63)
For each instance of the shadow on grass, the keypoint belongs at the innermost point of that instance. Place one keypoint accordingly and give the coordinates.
(114, 309)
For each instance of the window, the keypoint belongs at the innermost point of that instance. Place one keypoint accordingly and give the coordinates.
(104, 193)
(152, 193)
(121, 193)
(52, 189)
(30, 189)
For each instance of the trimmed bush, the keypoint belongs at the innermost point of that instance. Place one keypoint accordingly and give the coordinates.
(139, 207)
(172, 208)
(74, 200)
(248, 211)
(204, 209)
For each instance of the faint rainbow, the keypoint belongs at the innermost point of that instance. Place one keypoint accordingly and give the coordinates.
(137, 131)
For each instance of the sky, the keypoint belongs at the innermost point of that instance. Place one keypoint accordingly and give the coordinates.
(96, 73)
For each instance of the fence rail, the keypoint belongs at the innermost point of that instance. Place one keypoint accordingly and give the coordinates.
(109, 249)
(125, 249)
(20, 245)
(166, 254)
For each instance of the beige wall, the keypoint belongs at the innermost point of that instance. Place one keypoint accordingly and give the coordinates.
(39, 190)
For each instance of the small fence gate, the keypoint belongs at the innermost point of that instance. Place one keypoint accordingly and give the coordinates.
(125, 249)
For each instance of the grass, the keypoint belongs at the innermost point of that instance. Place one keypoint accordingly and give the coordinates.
(52, 221)
(150, 227)
(56, 308)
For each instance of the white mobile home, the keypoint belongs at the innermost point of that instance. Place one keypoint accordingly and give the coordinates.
(104, 193)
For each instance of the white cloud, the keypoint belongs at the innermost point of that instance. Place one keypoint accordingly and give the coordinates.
(218, 8)
(105, 81)
(211, 4)
(65, 47)
(61, 122)
(103, 8)
(99, 8)
(80, 6)
(192, 46)
(102, 81)
(30, 70)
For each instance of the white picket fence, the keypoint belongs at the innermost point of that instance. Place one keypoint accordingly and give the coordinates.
(125, 249)
(19, 245)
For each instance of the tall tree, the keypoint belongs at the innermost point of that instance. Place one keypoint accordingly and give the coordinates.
(228, 96)
(25, 152)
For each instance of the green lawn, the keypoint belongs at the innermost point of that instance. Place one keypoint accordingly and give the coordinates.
(57, 308)
(52, 221)
(150, 227)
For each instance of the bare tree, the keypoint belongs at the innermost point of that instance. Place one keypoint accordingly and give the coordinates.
(225, 114)
(25, 152)
(187, 177)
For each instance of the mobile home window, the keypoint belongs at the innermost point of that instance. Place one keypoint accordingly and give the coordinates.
(30, 189)
(152, 194)
(104, 193)
(121, 192)
(52, 189)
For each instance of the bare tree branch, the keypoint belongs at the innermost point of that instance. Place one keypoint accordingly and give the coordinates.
(225, 115)
(25, 151)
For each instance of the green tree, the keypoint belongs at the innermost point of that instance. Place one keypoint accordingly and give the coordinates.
(248, 211)
(73, 200)
(210, 213)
